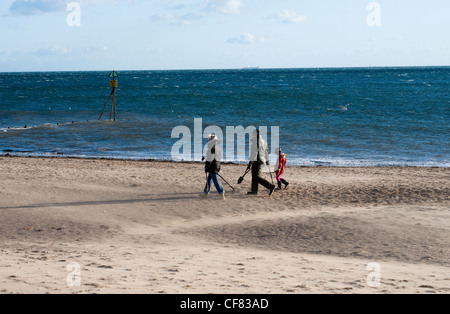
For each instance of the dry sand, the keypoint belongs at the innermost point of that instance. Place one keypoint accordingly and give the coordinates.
(141, 227)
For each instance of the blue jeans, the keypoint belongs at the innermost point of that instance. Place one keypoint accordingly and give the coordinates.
(213, 178)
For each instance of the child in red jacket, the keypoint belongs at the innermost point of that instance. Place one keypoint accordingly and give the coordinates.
(281, 165)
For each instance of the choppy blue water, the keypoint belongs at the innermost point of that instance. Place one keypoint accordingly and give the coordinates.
(396, 116)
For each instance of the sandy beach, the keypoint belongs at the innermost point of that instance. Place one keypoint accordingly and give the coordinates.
(141, 227)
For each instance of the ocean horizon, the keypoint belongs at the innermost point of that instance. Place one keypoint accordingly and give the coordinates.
(250, 68)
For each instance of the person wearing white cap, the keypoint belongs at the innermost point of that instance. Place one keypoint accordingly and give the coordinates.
(212, 167)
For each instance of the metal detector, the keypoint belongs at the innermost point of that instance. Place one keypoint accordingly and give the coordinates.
(241, 179)
(234, 190)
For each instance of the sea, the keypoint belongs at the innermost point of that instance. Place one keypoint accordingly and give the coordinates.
(343, 117)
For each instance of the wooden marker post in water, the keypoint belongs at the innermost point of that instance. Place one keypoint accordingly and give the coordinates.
(113, 84)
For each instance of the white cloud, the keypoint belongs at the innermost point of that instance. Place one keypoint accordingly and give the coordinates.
(52, 51)
(224, 6)
(36, 7)
(246, 39)
(185, 19)
(292, 17)
(161, 17)
(95, 2)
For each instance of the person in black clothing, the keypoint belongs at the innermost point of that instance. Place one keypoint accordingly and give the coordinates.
(259, 155)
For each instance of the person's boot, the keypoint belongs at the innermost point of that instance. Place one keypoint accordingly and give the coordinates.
(279, 186)
(222, 196)
(272, 189)
(254, 190)
(286, 184)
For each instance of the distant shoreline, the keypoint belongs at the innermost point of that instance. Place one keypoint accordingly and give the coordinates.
(162, 161)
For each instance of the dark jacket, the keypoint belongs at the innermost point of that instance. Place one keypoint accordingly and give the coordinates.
(213, 157)
(212, 167)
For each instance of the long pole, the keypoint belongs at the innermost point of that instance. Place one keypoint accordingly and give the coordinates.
(105, 106)
(114, 103)
(270, 171)
(226, 182)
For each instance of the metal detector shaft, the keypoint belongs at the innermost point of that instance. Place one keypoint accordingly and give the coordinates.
(226, 182)
(270, 171)
(206, 185)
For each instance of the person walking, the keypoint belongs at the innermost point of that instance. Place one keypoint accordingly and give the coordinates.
(212, 167)
(259, 155)
(281, 165)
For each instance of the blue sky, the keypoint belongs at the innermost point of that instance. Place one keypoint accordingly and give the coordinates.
(221, 34)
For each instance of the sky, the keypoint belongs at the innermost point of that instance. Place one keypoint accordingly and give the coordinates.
(91, 35)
